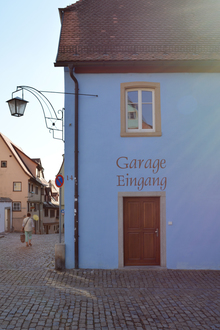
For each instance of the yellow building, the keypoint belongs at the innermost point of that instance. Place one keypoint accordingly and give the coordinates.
(22, 181)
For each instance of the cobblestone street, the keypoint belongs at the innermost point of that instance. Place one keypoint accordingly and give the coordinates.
(35, 296)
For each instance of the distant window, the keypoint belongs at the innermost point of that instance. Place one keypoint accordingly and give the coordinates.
(16, 206)
(46, 212)
(36, 190)
(3, 163)
(52, 213)
(132, 115)
(16, 186)
(30, 188)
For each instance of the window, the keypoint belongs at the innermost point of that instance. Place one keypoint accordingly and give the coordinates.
(36, 190)
(52, 213)
(16, 206)
(38, 172)
(31, 188)
(16, 186)
(46, 212)
(4, 163)
(140, 109)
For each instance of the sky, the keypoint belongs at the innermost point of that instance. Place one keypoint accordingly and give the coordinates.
(29, 34)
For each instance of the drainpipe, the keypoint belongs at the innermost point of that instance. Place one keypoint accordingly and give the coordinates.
(76, 204)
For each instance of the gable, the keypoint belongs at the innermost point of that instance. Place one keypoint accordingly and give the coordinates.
(29, 163)
(13, 149)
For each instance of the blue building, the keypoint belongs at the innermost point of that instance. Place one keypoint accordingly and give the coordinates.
(142, 135)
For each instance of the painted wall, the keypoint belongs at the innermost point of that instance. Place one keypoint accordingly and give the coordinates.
(13, 173)
(189, 147)
(61, 171)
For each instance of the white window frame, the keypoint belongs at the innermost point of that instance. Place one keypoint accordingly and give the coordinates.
(134, 86)
(140, 129)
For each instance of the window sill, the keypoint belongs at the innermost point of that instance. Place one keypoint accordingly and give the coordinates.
(140, 134)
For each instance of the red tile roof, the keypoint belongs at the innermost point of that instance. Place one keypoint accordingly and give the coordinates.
(139, 30)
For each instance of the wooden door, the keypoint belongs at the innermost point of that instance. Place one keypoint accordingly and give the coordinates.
(141, 231)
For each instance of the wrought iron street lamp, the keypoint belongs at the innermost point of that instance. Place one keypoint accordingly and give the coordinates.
(17, 107)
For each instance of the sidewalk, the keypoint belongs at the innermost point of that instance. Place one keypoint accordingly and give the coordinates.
(35, 296)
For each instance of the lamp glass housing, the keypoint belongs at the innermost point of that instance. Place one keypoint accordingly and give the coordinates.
(17, 106)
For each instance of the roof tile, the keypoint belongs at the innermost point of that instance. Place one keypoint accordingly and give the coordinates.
(103, 30)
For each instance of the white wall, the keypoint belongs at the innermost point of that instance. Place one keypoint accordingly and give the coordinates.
(3, 206)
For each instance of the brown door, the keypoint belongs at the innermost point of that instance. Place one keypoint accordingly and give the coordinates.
(141, 231)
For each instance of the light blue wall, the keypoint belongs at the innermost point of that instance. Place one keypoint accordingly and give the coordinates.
(190, 144)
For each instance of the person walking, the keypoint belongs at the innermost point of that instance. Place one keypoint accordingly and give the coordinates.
(28, 227)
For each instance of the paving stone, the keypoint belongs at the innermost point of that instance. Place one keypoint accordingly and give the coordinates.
(36, 297)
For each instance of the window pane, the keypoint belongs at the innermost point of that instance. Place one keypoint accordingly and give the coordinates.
(132, 117)
(17, 186)
(147, 96)
(133, 97)
(147, 116)
(16, 206)
(132, 110)
(3, 163)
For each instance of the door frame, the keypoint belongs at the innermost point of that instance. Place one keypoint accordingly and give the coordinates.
(162, 196)
(7, 225)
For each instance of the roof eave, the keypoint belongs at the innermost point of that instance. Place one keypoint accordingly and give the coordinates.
(145, 66)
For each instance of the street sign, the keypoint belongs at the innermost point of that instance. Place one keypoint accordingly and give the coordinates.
(62, 211)
(59, 181)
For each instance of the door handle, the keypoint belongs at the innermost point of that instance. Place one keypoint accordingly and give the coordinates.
(156, 232)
